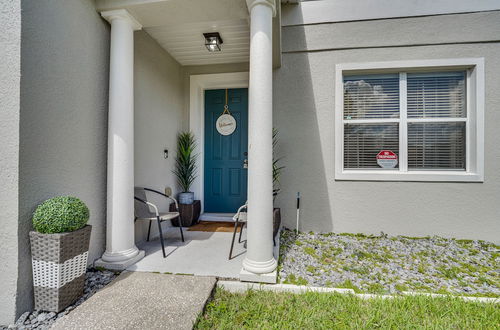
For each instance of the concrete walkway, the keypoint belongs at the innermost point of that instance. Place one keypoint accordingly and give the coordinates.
(137, 300)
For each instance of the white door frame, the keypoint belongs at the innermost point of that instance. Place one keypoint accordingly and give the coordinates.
(197, 86)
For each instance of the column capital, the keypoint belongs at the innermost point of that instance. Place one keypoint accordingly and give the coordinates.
(122, 14)
(270, 3)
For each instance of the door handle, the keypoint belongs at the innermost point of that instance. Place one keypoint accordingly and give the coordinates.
(245, 163)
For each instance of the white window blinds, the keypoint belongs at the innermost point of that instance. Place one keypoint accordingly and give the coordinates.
(436, 146)
(436, 95)
(422, 116)
(362, 143)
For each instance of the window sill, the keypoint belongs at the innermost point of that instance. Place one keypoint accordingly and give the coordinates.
(425, 176)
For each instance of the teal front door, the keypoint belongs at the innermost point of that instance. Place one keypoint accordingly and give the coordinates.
(225, 173)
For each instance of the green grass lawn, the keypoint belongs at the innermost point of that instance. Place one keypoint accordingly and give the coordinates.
(268, 310)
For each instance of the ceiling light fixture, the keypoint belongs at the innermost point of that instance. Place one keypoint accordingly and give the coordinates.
(213, 41)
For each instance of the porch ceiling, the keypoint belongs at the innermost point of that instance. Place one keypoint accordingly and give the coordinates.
(185, 41)
(178, 26)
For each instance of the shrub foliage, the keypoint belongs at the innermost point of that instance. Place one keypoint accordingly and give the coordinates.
(185, 163)
(60, 214)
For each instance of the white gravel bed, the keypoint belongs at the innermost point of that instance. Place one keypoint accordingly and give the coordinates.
(94, 281)
(383, 264)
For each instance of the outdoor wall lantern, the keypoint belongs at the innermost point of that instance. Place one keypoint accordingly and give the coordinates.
(213, 41)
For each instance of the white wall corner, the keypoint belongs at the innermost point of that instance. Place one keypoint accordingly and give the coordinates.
(123, 14)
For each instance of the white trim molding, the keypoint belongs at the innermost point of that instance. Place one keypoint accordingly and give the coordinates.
(123, 14)
(475, 88)
(198, 85)
(332, 11)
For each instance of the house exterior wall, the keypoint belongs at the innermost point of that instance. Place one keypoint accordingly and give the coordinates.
(10, 85)
(158, 116)
(63, 130)
(53, 125)
(304, 106)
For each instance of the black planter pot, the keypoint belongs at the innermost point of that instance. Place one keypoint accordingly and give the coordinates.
(276, 221)
(189, 214)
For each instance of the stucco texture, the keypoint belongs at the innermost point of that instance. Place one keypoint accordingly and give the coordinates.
(158, 113)
(10, 77)
(304, 106)
(64, 85)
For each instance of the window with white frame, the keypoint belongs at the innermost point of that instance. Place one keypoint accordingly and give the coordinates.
(421, 122)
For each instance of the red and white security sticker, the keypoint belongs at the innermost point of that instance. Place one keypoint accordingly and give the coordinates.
(387, 159)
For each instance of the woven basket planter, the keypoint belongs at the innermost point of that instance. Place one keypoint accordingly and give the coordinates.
(59, 264)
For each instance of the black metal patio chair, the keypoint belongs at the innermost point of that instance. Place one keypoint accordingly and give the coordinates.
(142, 212)
(240, 219)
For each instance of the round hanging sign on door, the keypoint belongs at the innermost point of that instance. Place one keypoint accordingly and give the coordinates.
(226, 124)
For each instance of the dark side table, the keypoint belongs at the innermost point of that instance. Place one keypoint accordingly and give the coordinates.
(189, 213)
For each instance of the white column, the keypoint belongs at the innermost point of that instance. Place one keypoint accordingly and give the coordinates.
(259, 259)
(121, 251)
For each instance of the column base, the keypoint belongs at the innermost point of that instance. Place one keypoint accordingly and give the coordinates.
(120, 265)
(246, 276)
(260, 267)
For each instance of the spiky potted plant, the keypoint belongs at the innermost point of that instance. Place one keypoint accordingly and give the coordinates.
(185, 166)
(59, 252)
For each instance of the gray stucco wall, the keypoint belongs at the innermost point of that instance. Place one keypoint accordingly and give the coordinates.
(10, 78)
(304, 104)
(65, 58)
(158, 101)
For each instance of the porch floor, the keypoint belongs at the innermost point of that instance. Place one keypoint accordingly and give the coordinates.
(202, 253)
